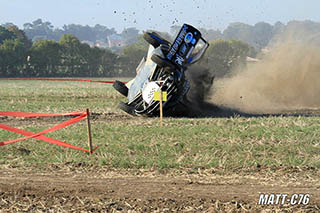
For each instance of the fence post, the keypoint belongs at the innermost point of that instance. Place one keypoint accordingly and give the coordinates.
(89, 131)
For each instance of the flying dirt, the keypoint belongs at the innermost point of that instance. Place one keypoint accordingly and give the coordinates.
(285, 79)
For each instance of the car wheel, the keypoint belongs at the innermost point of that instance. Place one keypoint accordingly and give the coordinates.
(154, 39)
(125, 107)
(161, 62)
(120, 87)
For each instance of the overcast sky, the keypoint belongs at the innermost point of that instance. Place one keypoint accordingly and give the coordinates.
(157, 14)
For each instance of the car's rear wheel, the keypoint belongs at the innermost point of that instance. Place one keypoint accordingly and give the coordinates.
(120, 87)
(125, 107)
(161, 62)
(154, 39)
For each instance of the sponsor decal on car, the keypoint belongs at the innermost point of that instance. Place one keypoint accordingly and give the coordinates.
(148, 91)
(177, 42)
(183, 49)
(179, 60)
(188, 38)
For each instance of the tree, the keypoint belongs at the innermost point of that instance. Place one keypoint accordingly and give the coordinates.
(39, 29)
(13, 48)
(5, 34)
(83, 33)
(45, 59)
(8, 24)
(130, 35)
(100, 32)
(223, 56)
(258, 36)
(262, 34)
(211, 35)
(71, 57)
(278, 27)
(80, 60)
(19, 34)
(13, 57)
(238, 31)
(107, 63)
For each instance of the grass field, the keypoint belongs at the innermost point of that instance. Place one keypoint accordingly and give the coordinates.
(252, 154)
(127, 142)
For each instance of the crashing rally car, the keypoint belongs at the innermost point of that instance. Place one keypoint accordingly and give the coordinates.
(163, 69)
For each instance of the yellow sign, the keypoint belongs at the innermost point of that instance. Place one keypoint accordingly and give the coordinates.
(156, 96)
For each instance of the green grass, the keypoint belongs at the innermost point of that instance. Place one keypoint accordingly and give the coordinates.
(48, 96)
(227, 143)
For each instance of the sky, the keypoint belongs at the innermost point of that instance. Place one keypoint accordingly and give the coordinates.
(157, 14)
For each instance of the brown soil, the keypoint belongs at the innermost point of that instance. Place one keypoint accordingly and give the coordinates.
(137, 191)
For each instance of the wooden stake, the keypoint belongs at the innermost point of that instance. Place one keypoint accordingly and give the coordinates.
(89, 131)
(161, 110)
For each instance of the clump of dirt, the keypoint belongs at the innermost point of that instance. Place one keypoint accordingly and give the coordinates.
(285, 78)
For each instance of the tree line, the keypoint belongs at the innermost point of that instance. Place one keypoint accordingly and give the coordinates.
(258, 35)
(67, 56)
(19, 57)
(44, 30)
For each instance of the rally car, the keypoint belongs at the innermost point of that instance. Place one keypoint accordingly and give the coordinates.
(163, 70)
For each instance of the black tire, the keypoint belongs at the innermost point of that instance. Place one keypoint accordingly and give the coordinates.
(161, 62)
(126, 108)
(155, 39)
(121, 88)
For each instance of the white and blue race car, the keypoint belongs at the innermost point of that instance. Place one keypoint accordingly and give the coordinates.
(163, 70)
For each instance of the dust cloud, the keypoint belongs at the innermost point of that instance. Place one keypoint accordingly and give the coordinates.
(286, 78)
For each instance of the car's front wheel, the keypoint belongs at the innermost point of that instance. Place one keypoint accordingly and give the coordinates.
(120, 87)
(155, 39)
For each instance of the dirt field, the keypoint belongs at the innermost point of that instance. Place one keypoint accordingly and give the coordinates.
(244, 156)
(84, 189)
